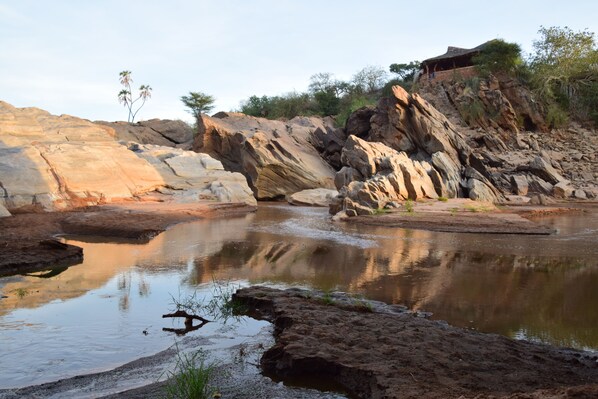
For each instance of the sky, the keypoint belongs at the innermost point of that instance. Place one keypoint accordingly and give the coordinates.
(65, 56)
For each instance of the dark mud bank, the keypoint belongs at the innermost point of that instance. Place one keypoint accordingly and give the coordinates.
(378, 353)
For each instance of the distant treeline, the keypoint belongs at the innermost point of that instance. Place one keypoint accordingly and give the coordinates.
(562, 70)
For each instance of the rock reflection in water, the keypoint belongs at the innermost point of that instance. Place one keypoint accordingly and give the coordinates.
(527, 287)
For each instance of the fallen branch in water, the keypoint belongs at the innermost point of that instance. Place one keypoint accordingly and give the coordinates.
(188, 322)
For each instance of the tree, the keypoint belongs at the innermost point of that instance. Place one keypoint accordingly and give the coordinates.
(125, 96)
(498, 57)
(198, 103)
(327, 92)
(406, 72)
(369, 79)
(565, 69)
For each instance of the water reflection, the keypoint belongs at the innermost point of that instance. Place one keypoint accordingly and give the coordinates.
(541, 288)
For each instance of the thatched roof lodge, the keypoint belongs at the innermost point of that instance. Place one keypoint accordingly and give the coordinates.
(456, 60)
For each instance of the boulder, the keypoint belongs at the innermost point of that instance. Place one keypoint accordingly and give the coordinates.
(277, 158)
(519, 184)
(543, 169)
(580, 194)
(52, 162)
(3, 212)
(358, 123)
(163, 132)
(313, 197)
(562, 190)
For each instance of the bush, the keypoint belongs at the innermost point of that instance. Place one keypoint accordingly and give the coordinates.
(556, 117)
(498, 57)
(350, 105)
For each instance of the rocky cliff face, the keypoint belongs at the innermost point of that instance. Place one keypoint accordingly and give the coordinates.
(413, 152)
(502, 105)
(50, 162)
(278, 158)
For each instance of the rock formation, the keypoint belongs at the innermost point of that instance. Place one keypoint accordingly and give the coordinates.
(313, 197)
(413, 152)
(154, 131)
(278, 158)
(52, 162)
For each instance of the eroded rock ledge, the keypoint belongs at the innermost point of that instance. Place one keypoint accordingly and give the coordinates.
(374, 353)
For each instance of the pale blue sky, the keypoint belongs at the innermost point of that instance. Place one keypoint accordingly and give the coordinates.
(65, 56)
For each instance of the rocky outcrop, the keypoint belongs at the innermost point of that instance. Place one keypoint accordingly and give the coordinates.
(529, 111)
(52, 162)
(313, 197)
(278, 158)
(375, 175)
(412, 152)
(163, 132)
(493, 104)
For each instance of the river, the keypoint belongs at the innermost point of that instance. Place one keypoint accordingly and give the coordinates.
(107, 310)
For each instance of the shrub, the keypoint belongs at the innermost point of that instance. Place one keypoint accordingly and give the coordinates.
(556, 117)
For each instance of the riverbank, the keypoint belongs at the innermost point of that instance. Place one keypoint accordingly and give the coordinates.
(28, 240)
(460, 215)
(390, 352)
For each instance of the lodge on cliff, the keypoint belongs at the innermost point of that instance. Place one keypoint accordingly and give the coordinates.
(444, 67)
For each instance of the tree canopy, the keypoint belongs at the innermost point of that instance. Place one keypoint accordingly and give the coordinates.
(498, 57)
(198, 103)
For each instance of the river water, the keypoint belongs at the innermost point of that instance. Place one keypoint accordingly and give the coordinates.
(107, 310)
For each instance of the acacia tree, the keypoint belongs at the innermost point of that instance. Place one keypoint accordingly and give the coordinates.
(125, 96)
(198, 103)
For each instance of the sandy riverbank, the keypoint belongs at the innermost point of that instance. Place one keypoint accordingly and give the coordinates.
(28, 240)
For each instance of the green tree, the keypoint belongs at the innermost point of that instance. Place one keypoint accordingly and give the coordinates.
(565, 70)
(125, 96)
(406, 72)
(327, 92)
(198, 103)
(498, 57)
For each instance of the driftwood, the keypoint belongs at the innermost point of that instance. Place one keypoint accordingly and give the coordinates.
(188, 322)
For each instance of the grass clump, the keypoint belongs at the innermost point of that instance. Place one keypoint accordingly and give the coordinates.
(478, 208)
(327, 298)
(191, 378)
(409, 206)
(442, 199)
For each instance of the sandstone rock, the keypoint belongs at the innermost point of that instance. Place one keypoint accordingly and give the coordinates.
(541, 199)
(537, 185)
(387, 175)
(277, 158)
(345, 176)
(56, 162)
(519, 184)
(329, 141)
(579, 194)
(358, 123)
(562, 190)
(154, 131)
(313, 197)
(528, 110)
(3, 211)
(543, 169)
